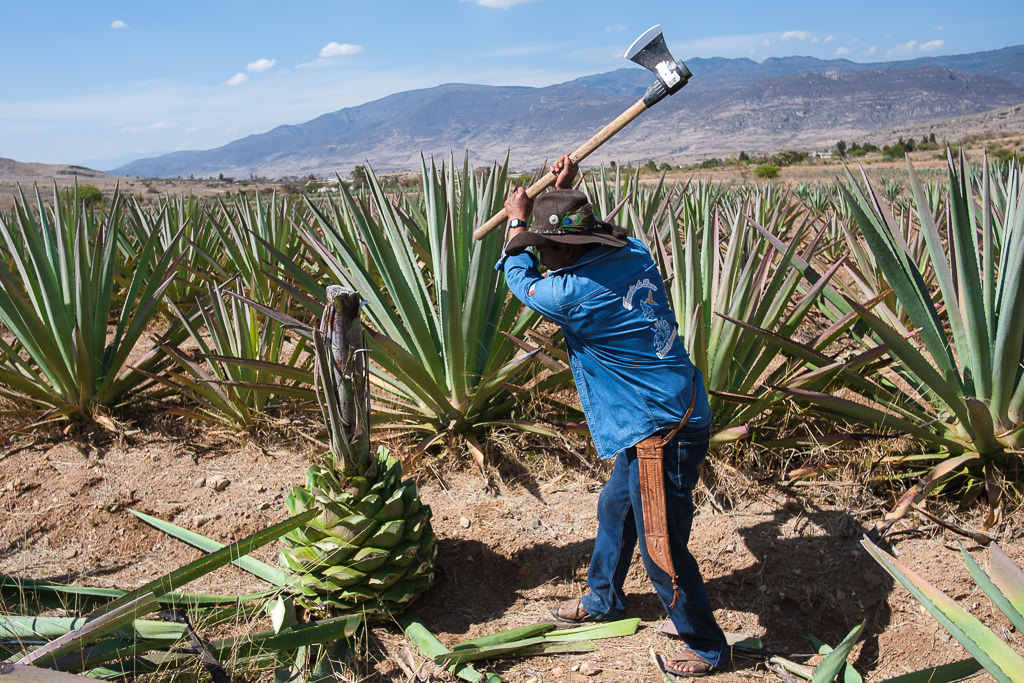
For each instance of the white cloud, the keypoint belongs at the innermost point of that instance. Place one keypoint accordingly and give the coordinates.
(499, 4)
(158, 125)
(939, 28)
(901, 49)
(260, 65)
(617, 27)
(237, 79)
(766, 43)
(829, 39)
(334, 49)
(842, 51)
(118, 24)
(794, 35)
(872, 50)
(932, 45)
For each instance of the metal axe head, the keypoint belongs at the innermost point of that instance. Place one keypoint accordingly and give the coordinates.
(651, 52)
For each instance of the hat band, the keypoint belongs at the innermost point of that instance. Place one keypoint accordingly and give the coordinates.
(570, 224)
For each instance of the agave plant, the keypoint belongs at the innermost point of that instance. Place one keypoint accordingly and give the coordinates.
(443, 326)
(61, 283)
(735, 285)
(371, 548)
(253, 233)
(182, 225)
(954, 376)
(247, 363)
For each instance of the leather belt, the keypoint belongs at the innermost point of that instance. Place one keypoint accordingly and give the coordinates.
(650, 453)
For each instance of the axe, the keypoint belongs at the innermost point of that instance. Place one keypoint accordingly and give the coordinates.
(649, 51)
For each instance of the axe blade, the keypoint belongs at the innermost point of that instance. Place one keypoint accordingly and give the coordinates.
(651, 52)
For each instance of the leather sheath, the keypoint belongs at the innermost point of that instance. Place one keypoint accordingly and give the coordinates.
(650, 456)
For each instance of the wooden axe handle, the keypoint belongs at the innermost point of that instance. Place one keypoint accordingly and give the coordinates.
(579, 155)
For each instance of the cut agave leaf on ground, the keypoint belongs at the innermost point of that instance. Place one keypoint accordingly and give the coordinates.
(947, 673)
(506, 636)
(515, 648)
(34, 628)
(250, 564)
(431, 647)
(77, 598)
(537, 639)
(850, 674)
(204, 565)
(94, 629)
(835, 661)
(291, 638)
(603, 629)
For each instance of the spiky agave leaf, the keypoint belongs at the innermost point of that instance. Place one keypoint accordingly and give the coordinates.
(371, 548)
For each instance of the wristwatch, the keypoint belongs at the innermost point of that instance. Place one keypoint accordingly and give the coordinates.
(516, 223)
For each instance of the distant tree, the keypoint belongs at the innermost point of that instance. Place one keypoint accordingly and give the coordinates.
(665, 166)
(359, 176)
(841, 148)
(90, 195)
(787, 158)
(744, 156)
(612, 163)
(767, 171)
(650, 165)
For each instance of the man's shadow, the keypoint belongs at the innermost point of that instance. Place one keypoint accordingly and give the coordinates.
(474, 584)
(813, 579)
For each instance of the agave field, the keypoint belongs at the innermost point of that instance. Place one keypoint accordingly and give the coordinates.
(853, 336)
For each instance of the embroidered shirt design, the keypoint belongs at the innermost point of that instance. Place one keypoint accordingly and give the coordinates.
(664, 331)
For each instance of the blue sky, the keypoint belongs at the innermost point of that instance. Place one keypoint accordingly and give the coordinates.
(101, 82)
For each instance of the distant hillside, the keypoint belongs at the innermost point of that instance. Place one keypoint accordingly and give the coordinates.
(730, 105)
(718, 73)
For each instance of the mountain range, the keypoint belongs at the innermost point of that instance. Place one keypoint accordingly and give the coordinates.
(729, 105)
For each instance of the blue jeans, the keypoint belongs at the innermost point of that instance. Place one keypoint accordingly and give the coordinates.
(620, 524)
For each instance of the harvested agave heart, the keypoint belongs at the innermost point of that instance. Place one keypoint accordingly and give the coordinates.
(372, 548)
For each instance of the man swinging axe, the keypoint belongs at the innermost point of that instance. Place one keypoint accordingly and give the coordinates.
(643, 399)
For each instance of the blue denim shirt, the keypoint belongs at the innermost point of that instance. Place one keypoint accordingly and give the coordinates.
(633, 375)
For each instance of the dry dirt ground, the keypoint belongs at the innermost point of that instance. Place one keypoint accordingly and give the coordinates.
(780, 563)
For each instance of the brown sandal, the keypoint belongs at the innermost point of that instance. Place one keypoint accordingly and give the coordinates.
(688, 665)
(572, 612)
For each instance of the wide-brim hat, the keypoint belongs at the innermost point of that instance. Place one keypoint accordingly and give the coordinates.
(565, 216)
